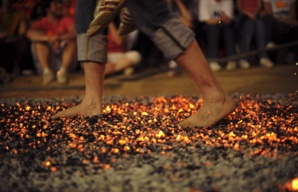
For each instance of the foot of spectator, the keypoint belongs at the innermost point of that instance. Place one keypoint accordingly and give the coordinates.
(210, 113)
(86, 109)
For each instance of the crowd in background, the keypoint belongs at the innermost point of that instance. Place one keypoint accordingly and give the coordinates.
(40, 36)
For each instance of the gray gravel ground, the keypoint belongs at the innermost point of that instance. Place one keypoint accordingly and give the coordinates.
(168, 165)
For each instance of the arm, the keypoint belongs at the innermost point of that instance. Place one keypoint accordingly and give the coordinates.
(36, 35)
(23, 28)
(268, 8)
(227, 12)
(70, 35)
(19, 33)
(213, 21)
(185, 15)
(239, 7)
(113, 31)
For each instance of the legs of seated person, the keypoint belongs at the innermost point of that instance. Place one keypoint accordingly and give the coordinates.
(213, 34)
(68, 55)
(120, 61)
(176, 42)
(213, 40)
(261, 44)
(254, 27)
(229, 40)
(48, 61)
(42, 54)
(246, 36)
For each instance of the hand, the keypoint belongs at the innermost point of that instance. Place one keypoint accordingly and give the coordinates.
(252, 16)
(52, 39)
(225, 19)
(54, 42)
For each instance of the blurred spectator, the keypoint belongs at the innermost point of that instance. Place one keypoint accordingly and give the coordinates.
(218, 18)
(283, 21)
(12, 40)
(284, 26)
(119, 59)
(25, 5)
(68, 7)
(178, 8)
(54, 43)
(251, 26)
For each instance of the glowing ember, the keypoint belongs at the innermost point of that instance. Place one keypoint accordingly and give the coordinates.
(47, 163)
(295, 184)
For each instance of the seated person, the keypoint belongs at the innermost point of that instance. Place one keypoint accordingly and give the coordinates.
(118, 58)
(282, 20)
(54, 44)
(251, 26)
(217, 16)
(13, 44)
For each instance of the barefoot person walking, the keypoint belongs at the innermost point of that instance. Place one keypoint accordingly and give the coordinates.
(174, 39)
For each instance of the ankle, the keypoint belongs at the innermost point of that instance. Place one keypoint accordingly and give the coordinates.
(214, 97)
(91, 101)
(62, 69)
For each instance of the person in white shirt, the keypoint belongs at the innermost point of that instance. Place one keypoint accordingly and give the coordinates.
(283, 20)
(218, 17)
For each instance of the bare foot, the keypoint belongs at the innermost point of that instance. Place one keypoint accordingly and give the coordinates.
(210, 113)
(83, 109)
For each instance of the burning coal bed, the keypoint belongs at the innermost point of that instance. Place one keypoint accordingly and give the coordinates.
(136, 145)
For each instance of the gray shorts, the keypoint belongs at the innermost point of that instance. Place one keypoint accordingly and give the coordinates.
(152, 17)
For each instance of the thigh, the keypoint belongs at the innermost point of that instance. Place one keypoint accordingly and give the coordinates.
(84, 10)
(149, 15)
(114, 57)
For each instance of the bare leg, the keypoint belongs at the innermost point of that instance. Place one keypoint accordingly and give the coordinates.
(216, 103)
(68, 54)
(122, 64)
(92, 102)
(42, 53)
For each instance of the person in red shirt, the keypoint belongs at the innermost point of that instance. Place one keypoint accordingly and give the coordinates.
(54, 43)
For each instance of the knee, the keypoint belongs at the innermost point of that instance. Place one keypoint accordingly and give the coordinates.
(41, 48)
(134, 56)
(72, 43)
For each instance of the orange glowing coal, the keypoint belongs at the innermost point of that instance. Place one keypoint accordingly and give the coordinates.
(295, 184)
